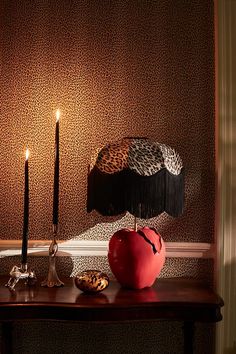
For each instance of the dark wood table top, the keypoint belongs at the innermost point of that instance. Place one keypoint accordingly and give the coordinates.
(169, 298)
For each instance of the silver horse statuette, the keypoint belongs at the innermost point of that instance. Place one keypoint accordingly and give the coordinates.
(18, 273)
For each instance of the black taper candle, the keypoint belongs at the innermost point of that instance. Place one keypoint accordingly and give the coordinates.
(26, 212)
(56, 174)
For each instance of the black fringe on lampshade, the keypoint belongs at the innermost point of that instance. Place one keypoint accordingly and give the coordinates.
(142, 196)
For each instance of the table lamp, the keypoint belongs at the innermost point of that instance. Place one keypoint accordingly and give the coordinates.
(145, 178)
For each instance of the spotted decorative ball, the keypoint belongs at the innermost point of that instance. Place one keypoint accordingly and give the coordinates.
(91, 281)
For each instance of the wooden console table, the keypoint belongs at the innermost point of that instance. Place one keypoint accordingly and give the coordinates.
(174, 299)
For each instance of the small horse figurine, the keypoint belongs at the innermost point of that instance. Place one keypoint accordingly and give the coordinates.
(18, 273)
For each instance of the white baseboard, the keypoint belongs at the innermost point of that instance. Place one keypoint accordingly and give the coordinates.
(75, 248)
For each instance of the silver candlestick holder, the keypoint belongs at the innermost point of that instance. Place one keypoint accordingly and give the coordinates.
(52, 279)
(21, 273)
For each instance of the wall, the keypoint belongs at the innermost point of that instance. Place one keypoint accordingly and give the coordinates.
(115, 69)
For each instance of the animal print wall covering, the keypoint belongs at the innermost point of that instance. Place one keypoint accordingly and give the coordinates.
(114, 68)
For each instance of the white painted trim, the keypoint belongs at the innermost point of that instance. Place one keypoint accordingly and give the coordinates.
(76, 248)
(190, 250)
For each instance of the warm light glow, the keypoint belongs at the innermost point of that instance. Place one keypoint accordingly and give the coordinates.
(27, 154)
(58, 115)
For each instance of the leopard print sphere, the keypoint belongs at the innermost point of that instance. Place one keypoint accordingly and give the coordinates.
(92, 281)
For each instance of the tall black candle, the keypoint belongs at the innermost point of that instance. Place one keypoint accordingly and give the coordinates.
(56, 173)
(26, 212)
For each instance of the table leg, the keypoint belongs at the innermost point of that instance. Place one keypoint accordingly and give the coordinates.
(188, 329)
(6, 340)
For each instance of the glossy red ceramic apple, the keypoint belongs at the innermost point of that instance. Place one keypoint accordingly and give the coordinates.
(136, 257)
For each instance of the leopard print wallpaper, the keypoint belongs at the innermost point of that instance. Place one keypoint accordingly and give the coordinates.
(115, 69)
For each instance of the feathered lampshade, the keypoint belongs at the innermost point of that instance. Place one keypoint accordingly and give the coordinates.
(137, 175)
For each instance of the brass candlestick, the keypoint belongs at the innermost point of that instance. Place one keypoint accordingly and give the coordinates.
(52, 279)
(19, 273)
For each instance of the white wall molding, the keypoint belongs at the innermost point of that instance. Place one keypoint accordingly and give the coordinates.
(76, 248)
(190, 250)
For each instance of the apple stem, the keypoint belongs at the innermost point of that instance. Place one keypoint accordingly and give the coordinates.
(135, 224)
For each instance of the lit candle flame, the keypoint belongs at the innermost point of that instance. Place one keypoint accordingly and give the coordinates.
(57, 115)
(27, 154)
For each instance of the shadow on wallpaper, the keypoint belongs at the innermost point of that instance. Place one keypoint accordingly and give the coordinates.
(115, 69)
